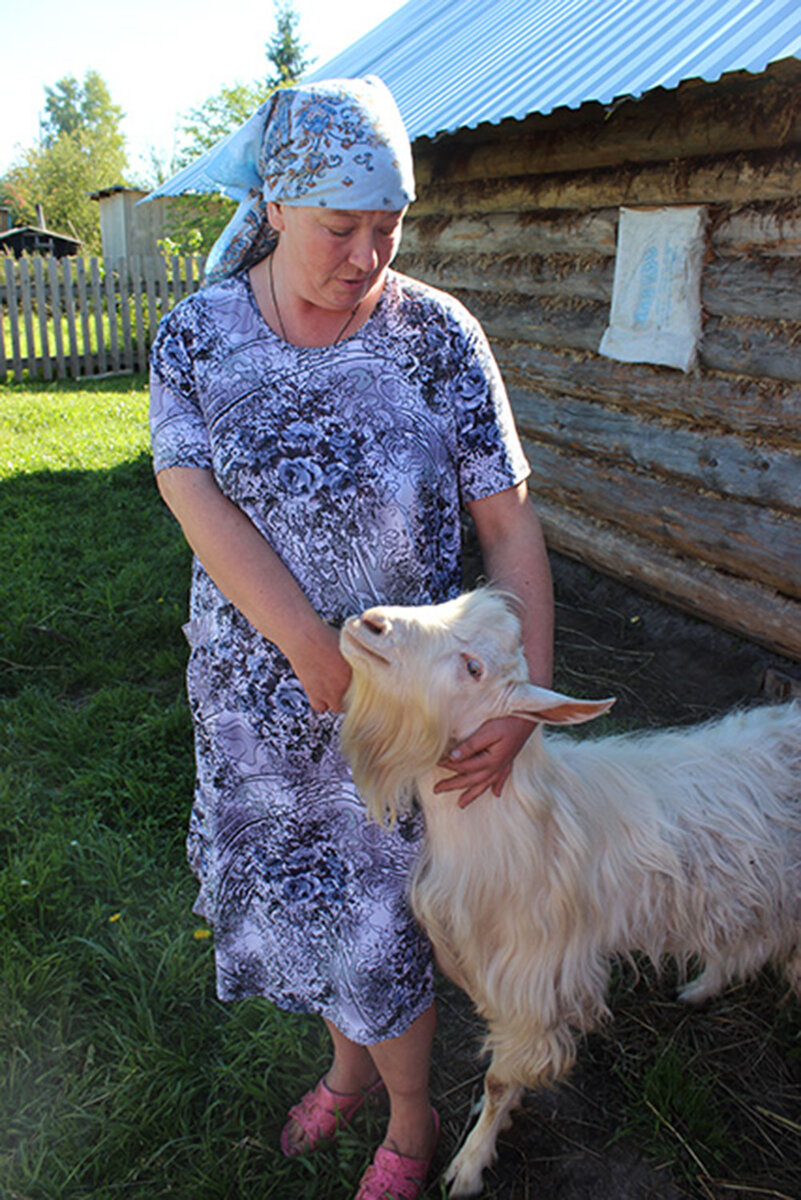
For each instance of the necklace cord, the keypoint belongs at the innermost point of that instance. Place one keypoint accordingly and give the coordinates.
(278, 310)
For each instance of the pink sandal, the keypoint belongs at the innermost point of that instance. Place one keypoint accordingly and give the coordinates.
(320, 1114)
(393, 1176)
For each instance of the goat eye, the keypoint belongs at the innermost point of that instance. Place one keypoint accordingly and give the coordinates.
(473, 667)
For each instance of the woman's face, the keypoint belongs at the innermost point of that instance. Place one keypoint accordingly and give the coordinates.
(334, 258)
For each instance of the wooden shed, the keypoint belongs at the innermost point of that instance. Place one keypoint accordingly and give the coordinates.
(685, 484)
(127, 227)
(30, 239)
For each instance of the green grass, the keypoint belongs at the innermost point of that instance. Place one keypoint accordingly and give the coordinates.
(120, 1073)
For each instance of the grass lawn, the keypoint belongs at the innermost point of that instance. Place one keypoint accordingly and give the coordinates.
(120, 1073)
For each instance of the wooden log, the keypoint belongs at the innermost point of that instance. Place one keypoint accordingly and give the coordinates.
(552, 321)
(742, 539)
(757, 115)
(732, 180)
(747, 347)
(55, 308)
(512, 233)
(756, 408)
(718, 463)
(775, 230)
(738, 605)
(524, 275)
(41, 313)
(767, 287)
(750, 347)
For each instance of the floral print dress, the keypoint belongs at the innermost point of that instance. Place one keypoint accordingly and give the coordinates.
(353, 460)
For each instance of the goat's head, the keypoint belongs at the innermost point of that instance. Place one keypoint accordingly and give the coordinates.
(426, 678)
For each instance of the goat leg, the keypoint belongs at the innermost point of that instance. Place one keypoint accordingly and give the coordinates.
(464, 1173)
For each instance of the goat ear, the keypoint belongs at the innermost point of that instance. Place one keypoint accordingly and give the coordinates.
(553, 708)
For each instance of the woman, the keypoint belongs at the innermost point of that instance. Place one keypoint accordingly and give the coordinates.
(317, 420)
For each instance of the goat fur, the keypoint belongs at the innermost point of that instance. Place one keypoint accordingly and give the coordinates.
(683, 843)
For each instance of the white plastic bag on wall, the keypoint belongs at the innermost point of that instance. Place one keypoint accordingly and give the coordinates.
(656, 296)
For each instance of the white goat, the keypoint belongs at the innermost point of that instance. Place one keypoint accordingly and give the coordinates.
(684, 843)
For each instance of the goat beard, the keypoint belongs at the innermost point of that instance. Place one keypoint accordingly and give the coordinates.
(390, 738)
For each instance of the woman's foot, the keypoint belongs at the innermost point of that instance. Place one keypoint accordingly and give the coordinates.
(396, 1176)
(319, 1115)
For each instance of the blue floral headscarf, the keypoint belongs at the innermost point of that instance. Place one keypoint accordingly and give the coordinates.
(339, 144)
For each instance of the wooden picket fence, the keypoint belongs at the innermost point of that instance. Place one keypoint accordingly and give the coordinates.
(74, 318)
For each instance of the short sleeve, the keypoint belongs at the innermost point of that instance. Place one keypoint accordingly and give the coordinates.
(178, 433)
(490, 456)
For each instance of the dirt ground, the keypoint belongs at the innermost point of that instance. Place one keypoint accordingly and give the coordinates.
(665, 1102)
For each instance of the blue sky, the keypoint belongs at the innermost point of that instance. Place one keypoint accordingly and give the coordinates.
(158, 57)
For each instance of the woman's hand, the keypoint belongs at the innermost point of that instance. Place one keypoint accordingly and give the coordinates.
(484, 760)
(323, 673)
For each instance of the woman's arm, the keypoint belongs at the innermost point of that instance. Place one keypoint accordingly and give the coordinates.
(515, 558)
(252, 576)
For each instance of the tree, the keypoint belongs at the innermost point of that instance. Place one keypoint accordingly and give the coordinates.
(285, 49)
(82, 151)
(197, 221)
(85, 112)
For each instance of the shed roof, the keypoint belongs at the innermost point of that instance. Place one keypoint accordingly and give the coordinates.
(455, 64)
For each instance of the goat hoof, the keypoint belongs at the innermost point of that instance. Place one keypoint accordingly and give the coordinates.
(463, 1179)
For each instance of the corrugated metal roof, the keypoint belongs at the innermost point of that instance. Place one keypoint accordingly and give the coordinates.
(457, 63)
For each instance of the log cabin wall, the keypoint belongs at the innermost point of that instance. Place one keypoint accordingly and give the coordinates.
(685, 486)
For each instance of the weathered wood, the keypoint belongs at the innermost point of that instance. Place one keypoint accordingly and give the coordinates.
(552, 321)
(69, 312)
(97, 310)
(41, 310)
(36, 292)
(734, 536)
(3, 368)
(775, 231)
(176, 279)
(512, 233)
(55, 305)
(520, 274)
(152, 304)
(743, 607)
(83, 309)
(754, 408)
(747, 347)
(729, 180)
(111, 313)
(125, 310)
(27, 315)
(760, 114)
(751, 347)
(13, 319)
(770, 287)
(139, 318)
(717, 463)
(739, 287)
